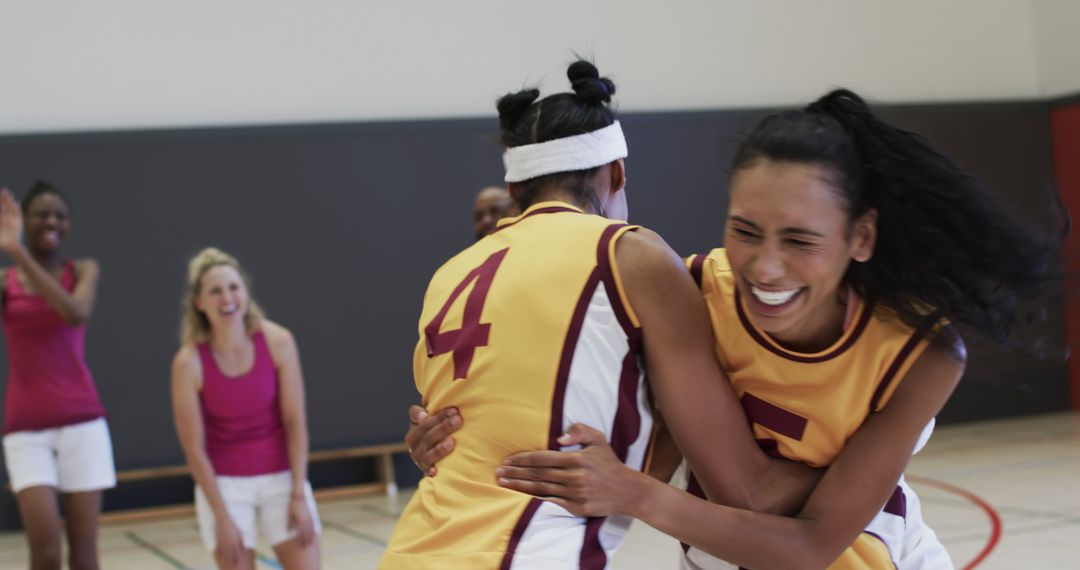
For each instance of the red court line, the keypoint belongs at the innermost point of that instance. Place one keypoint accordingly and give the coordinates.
(991, 513)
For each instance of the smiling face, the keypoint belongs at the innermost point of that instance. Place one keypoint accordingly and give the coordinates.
(222, 297)
(790, 241)
(46, 223)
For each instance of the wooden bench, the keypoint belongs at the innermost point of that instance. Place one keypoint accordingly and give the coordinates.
(385, 482)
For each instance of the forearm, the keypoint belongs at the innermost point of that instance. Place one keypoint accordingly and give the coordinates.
(296, 441)
(784, 487)
(745, 538)
(48, 287)
(202, 471)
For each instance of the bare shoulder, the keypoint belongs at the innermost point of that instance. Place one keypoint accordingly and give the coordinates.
(279, 338)
(947, 353)
(186, 366)
(644, 252)
(275, 333)
(933, 376)
(87, 267)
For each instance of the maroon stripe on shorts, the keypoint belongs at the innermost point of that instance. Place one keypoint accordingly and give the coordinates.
(897, 504)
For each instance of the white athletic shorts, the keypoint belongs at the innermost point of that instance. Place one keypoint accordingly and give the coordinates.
(262, 498)
(73, 459)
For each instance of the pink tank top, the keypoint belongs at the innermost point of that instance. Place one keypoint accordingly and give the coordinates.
(242, 415)
(49, 384)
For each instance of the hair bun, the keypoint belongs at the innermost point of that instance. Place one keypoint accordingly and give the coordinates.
(587, 84)
(842, 105)
(513, 105)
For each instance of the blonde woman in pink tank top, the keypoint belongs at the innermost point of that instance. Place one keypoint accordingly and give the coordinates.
(56, 442)
(238, 404)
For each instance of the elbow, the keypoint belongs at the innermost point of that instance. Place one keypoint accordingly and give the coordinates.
(809, 549)
(75, 318)
(294, 426)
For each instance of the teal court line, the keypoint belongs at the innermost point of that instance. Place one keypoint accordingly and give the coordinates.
(267, 560)
(354, 533)
(380, 511)
(155, 550)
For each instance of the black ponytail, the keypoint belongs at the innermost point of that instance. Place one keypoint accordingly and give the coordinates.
(944, 244)
(524, 120)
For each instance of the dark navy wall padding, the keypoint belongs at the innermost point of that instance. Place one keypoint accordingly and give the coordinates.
(342, 225)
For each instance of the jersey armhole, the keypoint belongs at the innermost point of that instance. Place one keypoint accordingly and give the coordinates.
(909, 354)
(616, 279)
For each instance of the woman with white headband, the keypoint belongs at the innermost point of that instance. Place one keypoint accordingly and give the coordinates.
(544, 324)
(850, 246)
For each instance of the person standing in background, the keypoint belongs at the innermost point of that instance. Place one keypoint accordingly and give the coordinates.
(56, 440)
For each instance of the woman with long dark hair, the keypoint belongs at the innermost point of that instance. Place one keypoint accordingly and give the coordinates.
(543, 324)
(852, 249)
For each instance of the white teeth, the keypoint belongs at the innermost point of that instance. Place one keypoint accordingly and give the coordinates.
(773, 297)
(228, 310)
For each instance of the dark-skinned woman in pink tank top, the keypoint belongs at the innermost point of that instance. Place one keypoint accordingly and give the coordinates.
(56, 442)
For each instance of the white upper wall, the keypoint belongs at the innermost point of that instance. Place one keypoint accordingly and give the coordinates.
(1057, 38)
(112, 64)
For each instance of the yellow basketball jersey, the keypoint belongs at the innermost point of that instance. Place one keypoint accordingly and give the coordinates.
(526, 332)
(804, 407)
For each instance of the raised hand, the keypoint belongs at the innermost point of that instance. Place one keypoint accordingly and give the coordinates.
(11, 222)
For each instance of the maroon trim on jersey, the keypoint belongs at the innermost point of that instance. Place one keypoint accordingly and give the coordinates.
(860, 326)
(562, 377)
(627, 424)
(546, 210)
(627, 416)
(697, 267)
(519, 531)
(604, 265)
(897, 504)
(890, 374)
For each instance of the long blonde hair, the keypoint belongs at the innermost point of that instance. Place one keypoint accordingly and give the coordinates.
(194, 326)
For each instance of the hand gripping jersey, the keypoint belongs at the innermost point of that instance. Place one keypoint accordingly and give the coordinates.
(526, 332)
(804, 407)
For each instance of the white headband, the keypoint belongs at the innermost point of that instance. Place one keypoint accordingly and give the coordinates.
(579, 152)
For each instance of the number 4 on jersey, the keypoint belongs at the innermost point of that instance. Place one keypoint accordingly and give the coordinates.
(463, 342)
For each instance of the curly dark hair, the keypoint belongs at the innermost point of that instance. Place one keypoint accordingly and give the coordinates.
(944, 244)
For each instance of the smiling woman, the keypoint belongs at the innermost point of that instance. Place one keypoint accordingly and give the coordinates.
(238, 404)
(852, 247)
(789, 241)
(55, 435)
